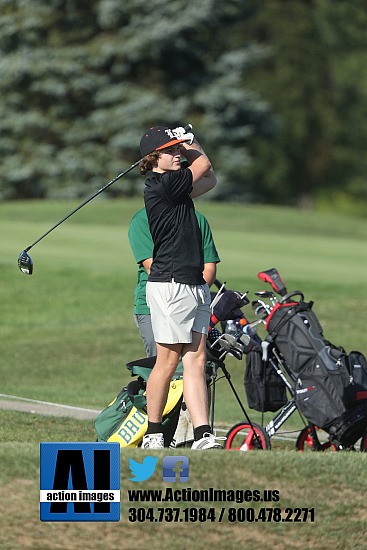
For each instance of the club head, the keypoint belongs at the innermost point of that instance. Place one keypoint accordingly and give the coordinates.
(25, 263)
(264, 294)
(227, 341)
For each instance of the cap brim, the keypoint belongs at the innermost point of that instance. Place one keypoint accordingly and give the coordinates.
(170, 143)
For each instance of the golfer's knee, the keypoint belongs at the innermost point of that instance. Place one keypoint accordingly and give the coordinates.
(167, 367)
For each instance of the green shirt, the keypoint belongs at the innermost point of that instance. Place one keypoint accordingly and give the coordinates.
(141, 243)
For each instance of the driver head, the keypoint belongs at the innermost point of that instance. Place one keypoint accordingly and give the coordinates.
(25, 263)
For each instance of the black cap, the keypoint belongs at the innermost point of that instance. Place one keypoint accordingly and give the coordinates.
(158, 138)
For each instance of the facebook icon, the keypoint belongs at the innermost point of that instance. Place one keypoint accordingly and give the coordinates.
(175, 468)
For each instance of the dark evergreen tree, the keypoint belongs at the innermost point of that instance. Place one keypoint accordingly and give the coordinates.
(276, 91)
(315, 81)
(81, 81)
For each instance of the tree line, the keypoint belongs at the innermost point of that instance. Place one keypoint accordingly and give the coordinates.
(276, 91)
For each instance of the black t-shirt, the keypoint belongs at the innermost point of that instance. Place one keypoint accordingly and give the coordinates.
(178, 251)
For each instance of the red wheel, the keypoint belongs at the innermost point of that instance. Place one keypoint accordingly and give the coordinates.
(308, 440)
(363, 447)
(243, 437)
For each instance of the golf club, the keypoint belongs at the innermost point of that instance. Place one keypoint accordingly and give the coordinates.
(259, 306)
(25, 262)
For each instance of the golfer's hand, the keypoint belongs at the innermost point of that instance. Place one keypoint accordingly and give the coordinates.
(180, 133)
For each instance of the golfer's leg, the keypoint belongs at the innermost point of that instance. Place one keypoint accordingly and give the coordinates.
(160, 378)
(195, 390)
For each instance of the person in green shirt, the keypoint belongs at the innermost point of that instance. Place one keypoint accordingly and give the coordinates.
(141, 244)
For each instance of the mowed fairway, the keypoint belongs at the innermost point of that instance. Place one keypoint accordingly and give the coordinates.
(67, 331)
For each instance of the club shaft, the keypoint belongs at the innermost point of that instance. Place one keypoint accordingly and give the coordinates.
(84, 203)
(186, 128)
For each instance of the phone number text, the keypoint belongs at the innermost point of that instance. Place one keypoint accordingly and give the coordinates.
(202, 515)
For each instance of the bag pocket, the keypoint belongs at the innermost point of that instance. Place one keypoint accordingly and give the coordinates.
(265, 390)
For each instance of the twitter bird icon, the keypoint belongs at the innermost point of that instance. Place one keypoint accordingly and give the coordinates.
(142, 471)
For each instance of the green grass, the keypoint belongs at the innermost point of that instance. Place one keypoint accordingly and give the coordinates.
(16, 427)
(333, 484)
(68, 331)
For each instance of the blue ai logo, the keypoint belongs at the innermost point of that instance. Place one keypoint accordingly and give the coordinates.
(175, 468)
(79, 481)
(142, 470)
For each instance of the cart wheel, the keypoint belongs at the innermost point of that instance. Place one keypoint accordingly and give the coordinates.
(241, 437)
(306, 441)
(363, 447)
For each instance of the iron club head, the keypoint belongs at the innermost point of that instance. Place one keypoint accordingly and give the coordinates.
(25, 263)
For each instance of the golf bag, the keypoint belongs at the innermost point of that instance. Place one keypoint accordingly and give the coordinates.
(125, 419)
(325, 391)
(358, 369)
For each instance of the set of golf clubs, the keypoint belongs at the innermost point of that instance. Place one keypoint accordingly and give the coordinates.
(25, 262)
(261, 307)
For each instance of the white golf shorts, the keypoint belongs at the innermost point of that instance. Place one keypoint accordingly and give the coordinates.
(177, 310)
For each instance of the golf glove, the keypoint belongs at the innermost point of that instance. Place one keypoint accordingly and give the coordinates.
(180, 133)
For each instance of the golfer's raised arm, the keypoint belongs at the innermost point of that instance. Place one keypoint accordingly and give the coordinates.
(204, 178)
